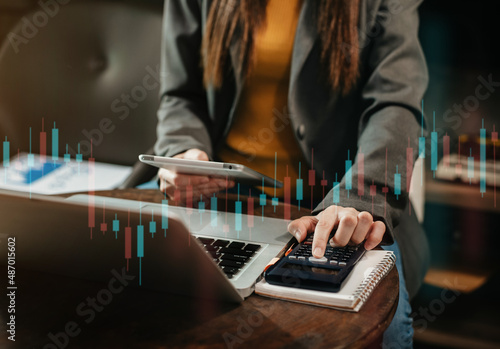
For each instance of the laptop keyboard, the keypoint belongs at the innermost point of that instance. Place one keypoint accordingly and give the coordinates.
(231, 256)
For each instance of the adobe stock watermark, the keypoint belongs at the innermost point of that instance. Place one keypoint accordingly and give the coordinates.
(254, 144)
(484, 89)
(454, 117)
(247, 325)
(245, 329)
(121, 107)
(87, 309)
(426, 314)
(39, 19)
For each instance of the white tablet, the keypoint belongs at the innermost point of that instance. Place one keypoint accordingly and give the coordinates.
(236, 172)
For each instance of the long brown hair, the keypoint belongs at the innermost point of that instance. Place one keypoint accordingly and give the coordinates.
(229, 20)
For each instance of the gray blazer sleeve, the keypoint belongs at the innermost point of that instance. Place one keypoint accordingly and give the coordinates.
(183, 120)
(394, 85)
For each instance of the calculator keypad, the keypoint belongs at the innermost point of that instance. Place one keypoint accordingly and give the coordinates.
(300, 269)
(334, 257)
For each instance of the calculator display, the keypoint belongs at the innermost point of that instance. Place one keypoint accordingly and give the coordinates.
(309, 269)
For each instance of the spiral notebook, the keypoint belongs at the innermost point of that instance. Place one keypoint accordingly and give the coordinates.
(357, 288)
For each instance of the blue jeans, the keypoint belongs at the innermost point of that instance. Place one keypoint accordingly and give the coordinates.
(399, 334)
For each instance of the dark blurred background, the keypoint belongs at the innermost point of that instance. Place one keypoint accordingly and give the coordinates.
(460, 40)
(457, 305)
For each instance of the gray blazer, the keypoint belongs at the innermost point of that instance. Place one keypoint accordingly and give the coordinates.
(380, 116)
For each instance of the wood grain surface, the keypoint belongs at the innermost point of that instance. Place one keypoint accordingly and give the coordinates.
(137, 318)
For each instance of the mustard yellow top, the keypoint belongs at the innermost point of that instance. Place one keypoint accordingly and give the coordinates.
(262, 126)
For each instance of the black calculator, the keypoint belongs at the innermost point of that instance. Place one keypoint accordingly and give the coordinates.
(298, 268)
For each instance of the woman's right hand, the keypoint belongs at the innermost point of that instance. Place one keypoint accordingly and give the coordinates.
(203, 186)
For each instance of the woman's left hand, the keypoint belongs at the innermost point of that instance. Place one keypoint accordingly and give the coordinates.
(352, 227)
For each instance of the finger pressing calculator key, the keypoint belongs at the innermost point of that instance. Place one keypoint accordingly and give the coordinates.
(299, 268)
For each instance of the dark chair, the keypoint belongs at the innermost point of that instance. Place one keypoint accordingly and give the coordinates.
(92, 69)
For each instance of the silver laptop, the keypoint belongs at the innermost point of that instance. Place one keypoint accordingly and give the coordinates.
(202, 253)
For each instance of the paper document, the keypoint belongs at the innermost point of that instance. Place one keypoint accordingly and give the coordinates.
(32, 174)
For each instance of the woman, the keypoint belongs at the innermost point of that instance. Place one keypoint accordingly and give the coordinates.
(265, 82)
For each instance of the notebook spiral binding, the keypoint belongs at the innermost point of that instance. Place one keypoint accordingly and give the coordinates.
(378, 273)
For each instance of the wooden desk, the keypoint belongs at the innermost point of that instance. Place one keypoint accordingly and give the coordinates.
(138, 318)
